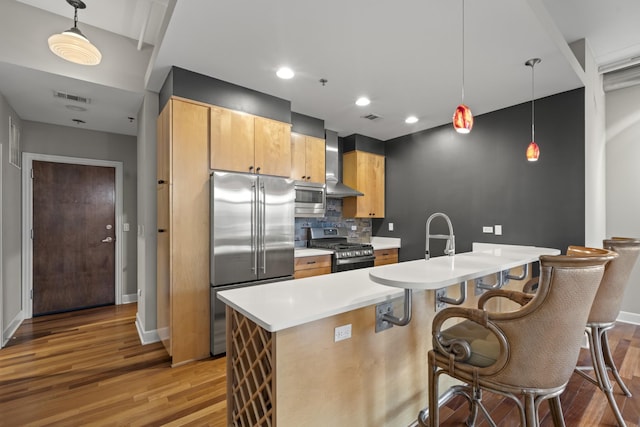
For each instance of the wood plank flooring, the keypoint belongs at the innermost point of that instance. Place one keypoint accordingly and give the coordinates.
(89, 368)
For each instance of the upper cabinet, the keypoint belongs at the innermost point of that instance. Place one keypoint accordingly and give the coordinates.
(364, 172)
(307, 158)
(244, 143)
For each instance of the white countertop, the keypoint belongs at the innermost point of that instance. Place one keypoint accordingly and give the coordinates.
(444, 271)
(379, 243)
(304, 252)
(281, 305)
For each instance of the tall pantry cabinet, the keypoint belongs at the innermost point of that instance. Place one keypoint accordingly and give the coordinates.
(183, 230)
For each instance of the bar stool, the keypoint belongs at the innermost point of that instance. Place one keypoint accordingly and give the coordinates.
(496, 351)
(603, 315)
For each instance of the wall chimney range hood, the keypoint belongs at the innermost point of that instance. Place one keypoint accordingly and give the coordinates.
(335, 188)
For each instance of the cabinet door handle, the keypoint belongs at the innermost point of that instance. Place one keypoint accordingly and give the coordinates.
(162, 181)
(161, 230)
(250, 168)
(304, 177)
(258, 169)
(311, 262)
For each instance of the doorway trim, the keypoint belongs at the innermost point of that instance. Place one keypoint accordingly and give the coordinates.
(27, 221)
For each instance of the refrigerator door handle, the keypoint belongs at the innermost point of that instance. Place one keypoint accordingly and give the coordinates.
(263, 227)
(254, 224)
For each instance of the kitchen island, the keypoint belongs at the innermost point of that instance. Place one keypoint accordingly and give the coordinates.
(288, 365)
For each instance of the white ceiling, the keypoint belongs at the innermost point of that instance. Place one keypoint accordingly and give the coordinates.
(406, 56)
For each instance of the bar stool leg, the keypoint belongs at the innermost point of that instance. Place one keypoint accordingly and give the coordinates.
(556, 412)
(601, 371)
(611, 365)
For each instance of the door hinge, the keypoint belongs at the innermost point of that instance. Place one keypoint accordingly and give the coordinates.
(32, 234)
(32, 176)
(31, 292)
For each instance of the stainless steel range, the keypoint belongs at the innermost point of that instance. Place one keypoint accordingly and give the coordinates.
(346, 255)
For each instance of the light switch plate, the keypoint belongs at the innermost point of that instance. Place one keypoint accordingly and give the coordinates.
(390, 226)
(487, 229)
(498, 230)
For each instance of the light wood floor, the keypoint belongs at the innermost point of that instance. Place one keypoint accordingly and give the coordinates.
(88, 368)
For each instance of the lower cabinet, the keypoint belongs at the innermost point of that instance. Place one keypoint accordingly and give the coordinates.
(386, 256)
(312, 266)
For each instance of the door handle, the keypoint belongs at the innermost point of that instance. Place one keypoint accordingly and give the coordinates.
(108, 240)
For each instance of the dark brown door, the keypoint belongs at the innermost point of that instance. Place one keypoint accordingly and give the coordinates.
(73, 237)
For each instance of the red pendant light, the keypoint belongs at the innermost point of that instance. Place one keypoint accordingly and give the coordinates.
(533, 151)
(462, 117)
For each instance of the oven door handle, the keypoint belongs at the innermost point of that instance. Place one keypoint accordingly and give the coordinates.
(344, 261)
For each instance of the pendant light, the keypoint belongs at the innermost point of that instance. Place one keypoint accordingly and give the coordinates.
(72, 45)
(533, 151)
(462, 117)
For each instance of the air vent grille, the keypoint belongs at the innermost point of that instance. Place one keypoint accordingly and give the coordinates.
(71, 97)
(371, 117)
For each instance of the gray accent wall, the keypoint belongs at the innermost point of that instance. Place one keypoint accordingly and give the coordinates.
(68, 141)
(483, 179)
(198, 87)
(307, 125)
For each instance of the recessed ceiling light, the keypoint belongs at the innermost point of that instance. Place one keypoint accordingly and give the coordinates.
(285, 73)
(362, 101)
(411, 120)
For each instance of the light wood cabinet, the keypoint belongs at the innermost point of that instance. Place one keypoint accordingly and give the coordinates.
(364, 172)
(309, 266)
(242, 142)
(232, 140)
(307, 158)
(385, 256)
(183, 231)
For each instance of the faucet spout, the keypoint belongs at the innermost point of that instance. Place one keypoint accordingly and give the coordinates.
(450, 246)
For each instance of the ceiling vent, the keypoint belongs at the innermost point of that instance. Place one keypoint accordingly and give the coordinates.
(70, 97)
(371, 117)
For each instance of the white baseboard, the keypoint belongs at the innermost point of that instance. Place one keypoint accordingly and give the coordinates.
(129, 298)
(146, 337)
(12, 328)
(628, 317)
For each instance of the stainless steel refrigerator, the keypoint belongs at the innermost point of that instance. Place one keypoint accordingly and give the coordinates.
(252, 237)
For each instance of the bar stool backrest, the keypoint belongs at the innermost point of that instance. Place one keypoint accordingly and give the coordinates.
(608, 301)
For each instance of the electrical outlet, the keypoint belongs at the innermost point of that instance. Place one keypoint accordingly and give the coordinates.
(390, 226)
(354, 228)
(487, 229)
(498, 230)
(342, 333)
(125, 226)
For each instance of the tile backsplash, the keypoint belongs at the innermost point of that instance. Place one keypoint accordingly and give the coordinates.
(333, 218)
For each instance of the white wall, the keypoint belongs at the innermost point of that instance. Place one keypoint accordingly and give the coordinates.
(11, 223)
(623, 180)
(595, 146)
(147, 228)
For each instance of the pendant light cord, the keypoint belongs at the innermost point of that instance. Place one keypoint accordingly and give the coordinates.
(462, 51)
(533, 108)
(75, 17)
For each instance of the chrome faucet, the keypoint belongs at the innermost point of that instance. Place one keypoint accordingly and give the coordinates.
(450, 247)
